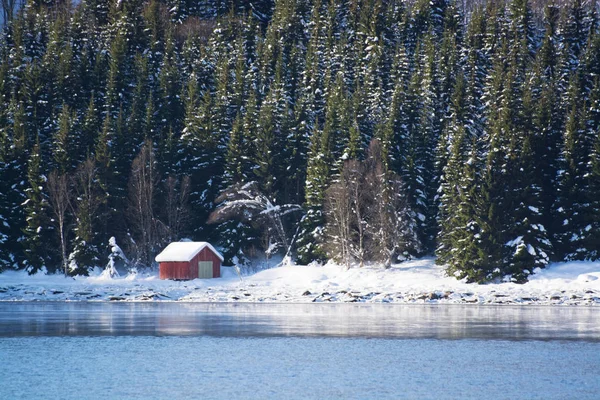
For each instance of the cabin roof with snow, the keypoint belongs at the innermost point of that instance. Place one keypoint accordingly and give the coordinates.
(184, 251)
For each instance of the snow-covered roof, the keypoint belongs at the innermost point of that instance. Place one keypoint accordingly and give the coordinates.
(184, 251)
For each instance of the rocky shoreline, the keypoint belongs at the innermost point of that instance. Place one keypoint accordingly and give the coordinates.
(257, 294)
(419, 281)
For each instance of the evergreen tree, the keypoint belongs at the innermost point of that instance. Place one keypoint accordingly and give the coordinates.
(574, 167)
(62, 145)
(486, 115)
(309, 244)
(35, 231)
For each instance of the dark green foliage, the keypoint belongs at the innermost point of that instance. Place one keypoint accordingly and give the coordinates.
(35, 241)
(487, 121)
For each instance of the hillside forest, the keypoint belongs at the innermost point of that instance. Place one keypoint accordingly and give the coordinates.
(359, 131)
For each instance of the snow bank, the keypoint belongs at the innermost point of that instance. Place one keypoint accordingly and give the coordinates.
(417, 281)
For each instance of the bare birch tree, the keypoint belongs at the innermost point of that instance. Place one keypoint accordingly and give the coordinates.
(392, 226)
(86, 203)
(338, 210)
(59, 194)
(368, 217)
(176, 211)
(144, 225)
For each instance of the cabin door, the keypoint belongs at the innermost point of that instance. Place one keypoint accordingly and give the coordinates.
(205, 269)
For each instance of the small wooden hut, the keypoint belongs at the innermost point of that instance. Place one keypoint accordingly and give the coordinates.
(189, 260)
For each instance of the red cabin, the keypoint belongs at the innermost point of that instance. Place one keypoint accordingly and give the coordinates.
(189, 260)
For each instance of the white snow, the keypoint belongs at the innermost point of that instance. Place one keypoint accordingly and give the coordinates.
(417, 281)
(184, 251)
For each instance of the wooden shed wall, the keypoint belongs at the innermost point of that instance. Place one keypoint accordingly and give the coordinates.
(177, 270)
(189, 270)
(207, 255)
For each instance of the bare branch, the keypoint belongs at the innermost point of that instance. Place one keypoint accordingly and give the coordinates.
(60, 198)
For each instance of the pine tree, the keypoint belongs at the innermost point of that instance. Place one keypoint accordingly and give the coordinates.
(105, 178)
(548, 119)
(62, 145)
(265, 148)
(309, 244)
(35, 231)
(425, 140)
(531, 245)
(236, 237)
(572, 196)
(13, 167)
(455, 134)
(590, 234)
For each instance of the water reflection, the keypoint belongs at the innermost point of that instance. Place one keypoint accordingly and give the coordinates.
(343, 320)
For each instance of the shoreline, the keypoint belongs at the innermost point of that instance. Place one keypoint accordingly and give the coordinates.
(589, 298)
(413, 282)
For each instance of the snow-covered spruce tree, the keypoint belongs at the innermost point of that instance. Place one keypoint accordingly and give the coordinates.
(476, 69)
(527, 238)
(474, 253)
(90, 128)
(169, 108)
(572, 193)
(575, 31)
(36, 231)
(394, 130)
(215, 125)
(590, 234)
(424, 143)
(309, 243)
(197, 149)
(140, 121)
(235, 235)
(335, 136)
(268, 144)
(296, 153)
(105, 178)
(495, 182)
(591, 59)
(548, 119)
(456, 134)
(13, 168)
(531, 247)
(586, 231)
(61, 149)
(4, 190)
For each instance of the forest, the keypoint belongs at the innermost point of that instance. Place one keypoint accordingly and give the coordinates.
(359, 131)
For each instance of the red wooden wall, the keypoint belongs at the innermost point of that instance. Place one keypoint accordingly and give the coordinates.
(189, 270)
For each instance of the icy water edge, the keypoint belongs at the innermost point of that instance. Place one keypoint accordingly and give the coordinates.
(297, 351)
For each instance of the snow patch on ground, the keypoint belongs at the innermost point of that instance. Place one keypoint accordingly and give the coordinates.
(417, 281)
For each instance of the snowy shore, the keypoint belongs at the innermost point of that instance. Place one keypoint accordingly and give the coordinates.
(418, 281)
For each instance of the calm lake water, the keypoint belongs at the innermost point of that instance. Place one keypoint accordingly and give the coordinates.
(291, 351)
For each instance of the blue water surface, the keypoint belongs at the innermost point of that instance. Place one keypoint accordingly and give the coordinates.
(183, 351)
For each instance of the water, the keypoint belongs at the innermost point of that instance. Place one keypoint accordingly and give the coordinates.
(320, 351)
